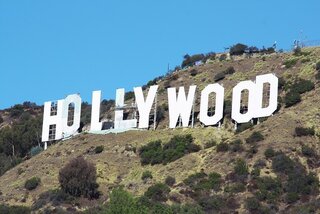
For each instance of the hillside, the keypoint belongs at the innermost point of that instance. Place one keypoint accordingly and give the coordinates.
(120, 164)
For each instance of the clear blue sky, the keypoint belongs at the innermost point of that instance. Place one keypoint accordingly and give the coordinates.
(49, 49)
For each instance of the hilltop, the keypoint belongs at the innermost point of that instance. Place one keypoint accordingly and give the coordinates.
(221, 149)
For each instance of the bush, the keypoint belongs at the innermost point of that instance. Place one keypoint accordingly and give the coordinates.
(123, 202)
(151, 153)
(235, 188)
(170, 181)
(255, 137)
(177, 147)
(222, 147)
(269, 189)
(98, 149)
(32, 183)
(253, 204)
(212, 204)
(301, 131)
(158, 192)
(1, 119)
(241, 167)
(146, 175)
(230, 70)
(290, 62)
(292, 197)
(219, 76)
(292, 98)
(35, 150)
(191, 60)
(5, 209)
(302, 86)
(222, 57)
(129, 95)
(78, 178)
(236, 146)
(307, 151)
(193, 72)
(238, 49)
(201, 181)
(282, 164)
(269, 153)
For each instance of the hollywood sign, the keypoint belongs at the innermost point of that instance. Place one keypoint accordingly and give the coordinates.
(180, 106)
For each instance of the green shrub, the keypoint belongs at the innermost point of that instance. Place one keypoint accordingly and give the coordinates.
(269, 189)
(292, 197)
(236, 146)
(235, 188)
(129, 95)
(301, 131)
(255, 173)
(170, 181)
(222, 147)
(177, 147)
(290, 62)
(282, 164)
(151, 153)
(98, 149)
(158, 192)
(302, 86)
(241, 167)
(222, 57)
(238, 49)
(35, 150)
(193, 72)
(219, 76)
(212, 204)
(191, 60)
(201, 181)
(32, 183)
(291, 98)
(78, 178)
(146, 175)
(123, 202)
(307, 151)
(269, 153)
(255, 137)
(5, 209)
(253, 204)
(230, 70)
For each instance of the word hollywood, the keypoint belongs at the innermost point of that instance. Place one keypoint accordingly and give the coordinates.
(180, 105)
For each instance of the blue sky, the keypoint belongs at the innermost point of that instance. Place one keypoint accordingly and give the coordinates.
(49, 49)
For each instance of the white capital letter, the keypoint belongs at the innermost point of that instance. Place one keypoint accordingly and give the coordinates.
(96, 125)
(273, 99)
(236, 100)
(119, 123)
(55, 119)
(144, 107)
(219, 91)
(180, 106)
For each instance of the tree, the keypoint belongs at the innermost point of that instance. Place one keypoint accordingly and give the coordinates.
(238, 49)
(78, 178)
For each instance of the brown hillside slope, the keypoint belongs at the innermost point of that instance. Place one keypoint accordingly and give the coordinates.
(118, 164)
